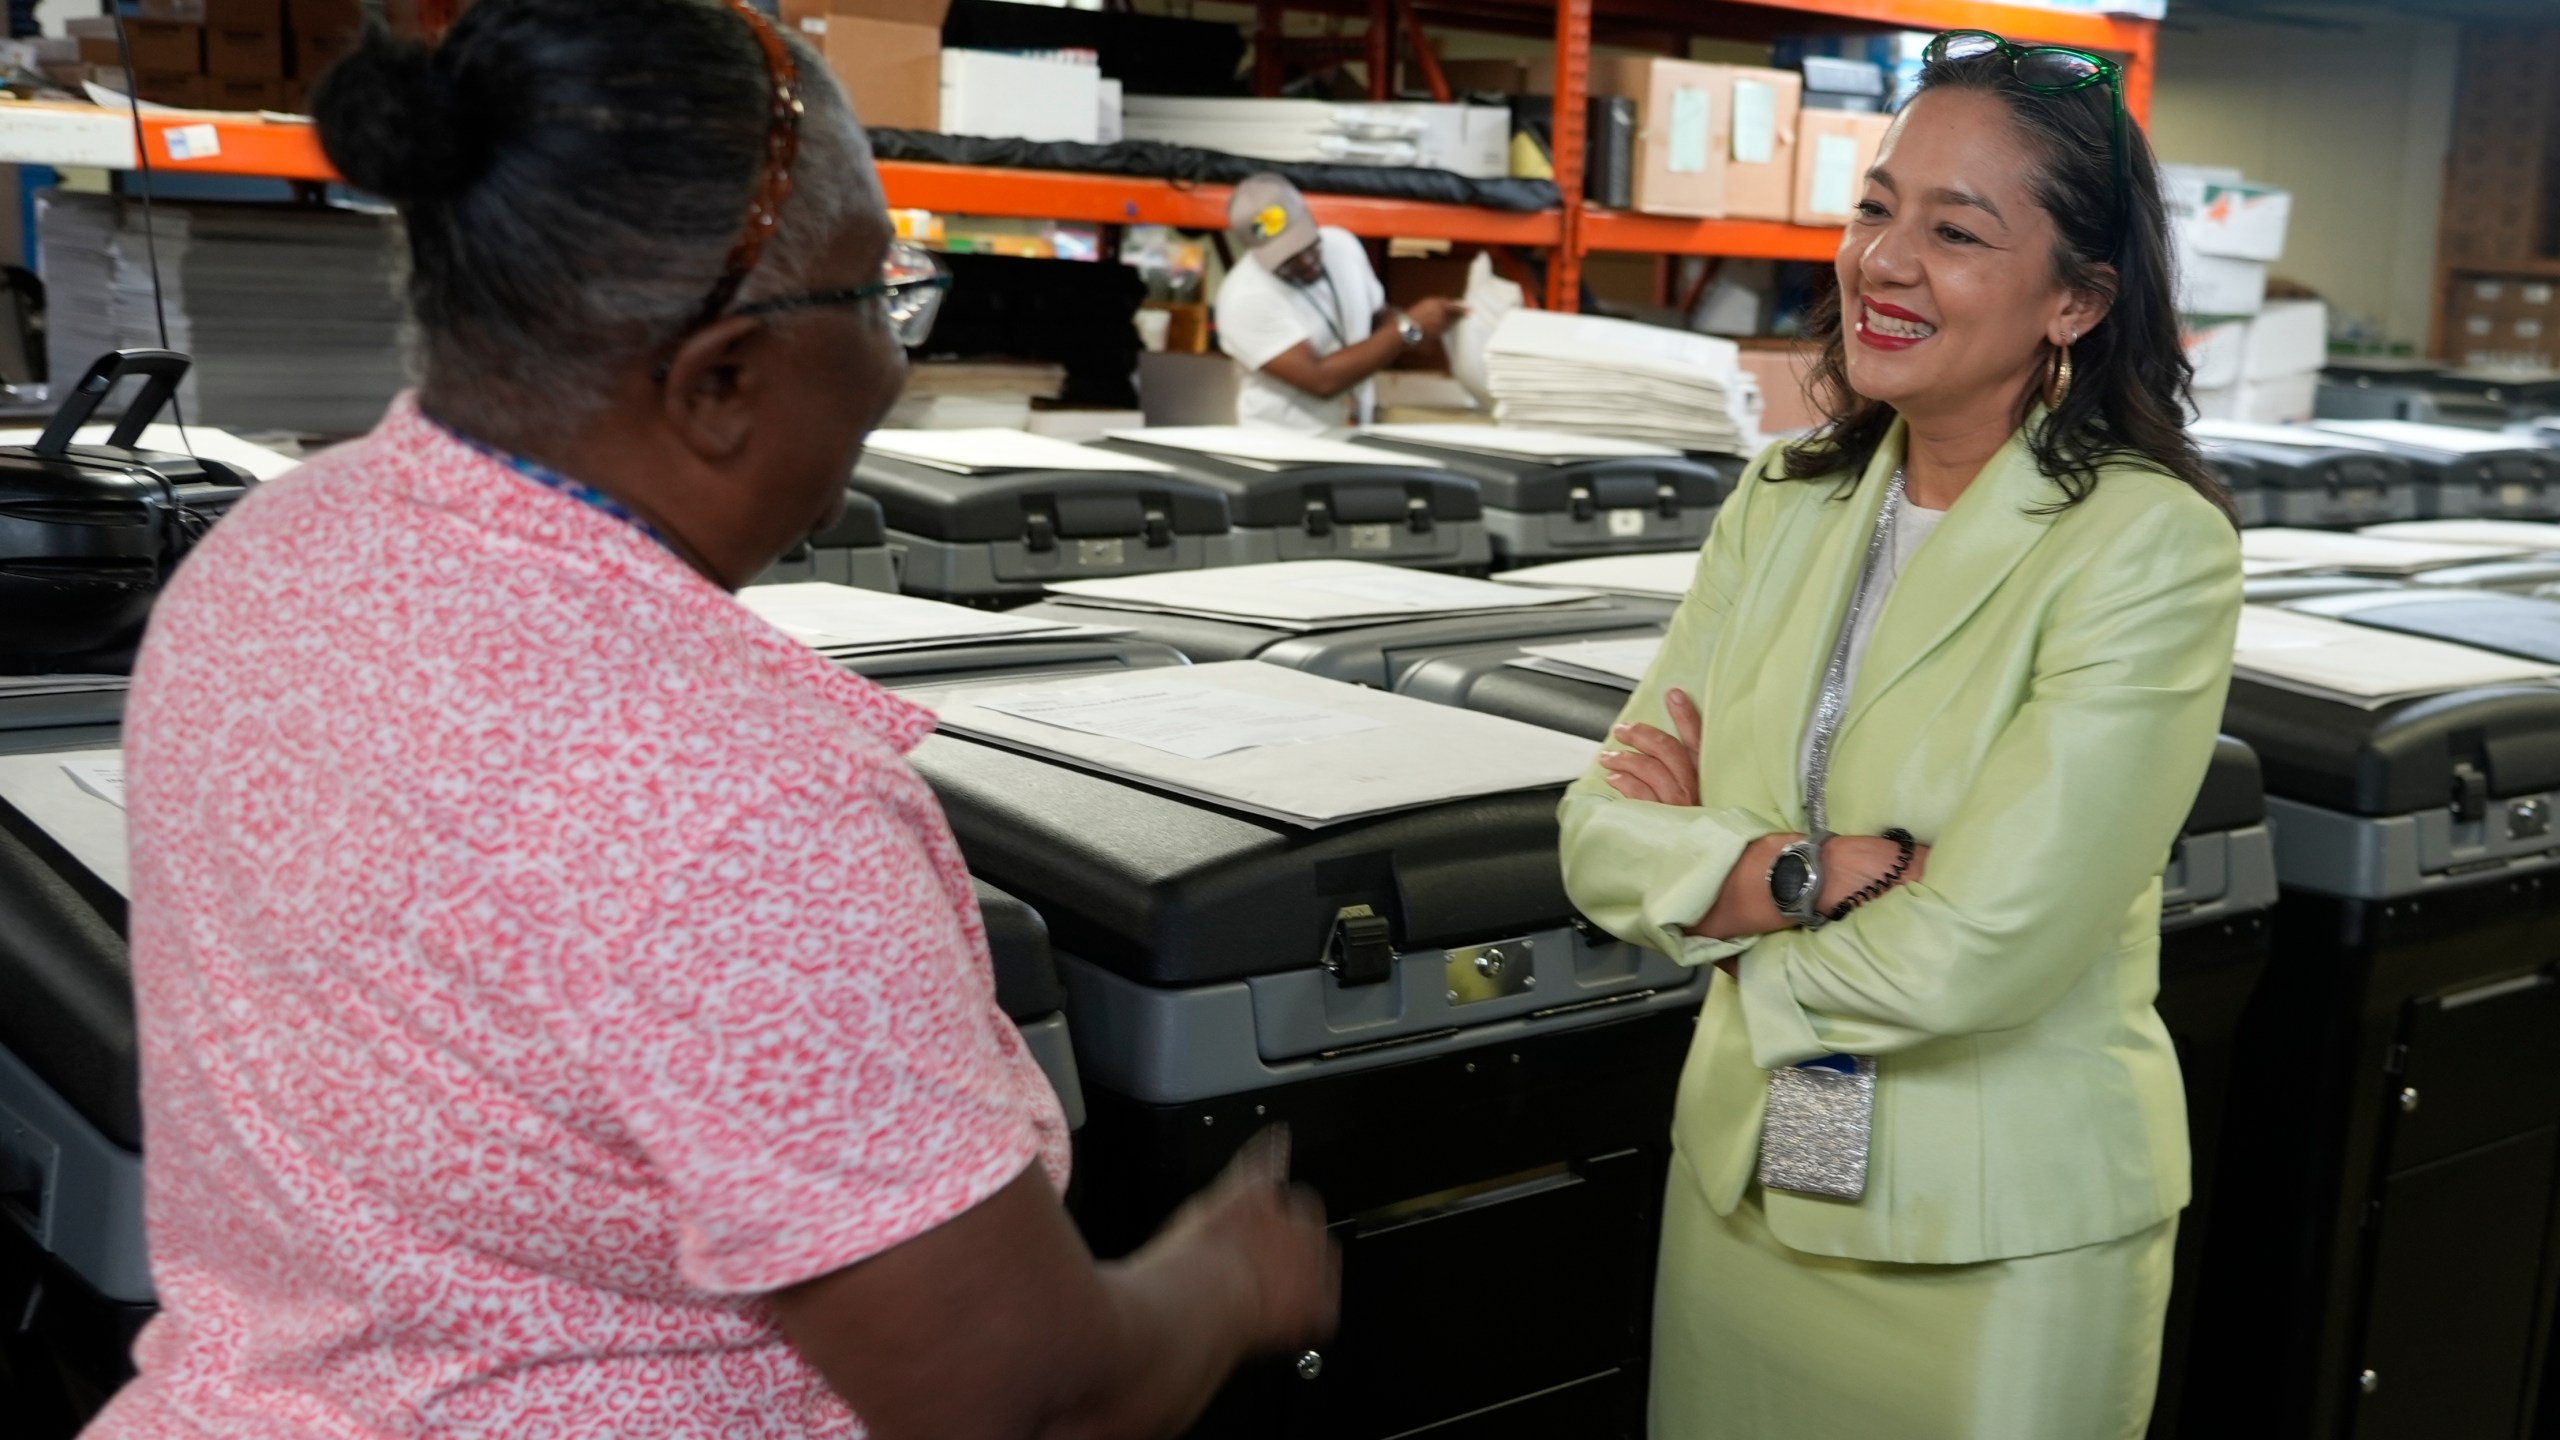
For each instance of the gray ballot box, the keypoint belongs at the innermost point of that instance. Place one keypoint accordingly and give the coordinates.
(1550, 496)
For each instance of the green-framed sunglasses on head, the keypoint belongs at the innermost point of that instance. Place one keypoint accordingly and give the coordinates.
(2046, 70)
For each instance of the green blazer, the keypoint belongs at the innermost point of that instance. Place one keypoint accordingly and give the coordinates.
(2037, 703)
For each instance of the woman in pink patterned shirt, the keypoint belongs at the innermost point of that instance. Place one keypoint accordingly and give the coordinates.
(564, 1013)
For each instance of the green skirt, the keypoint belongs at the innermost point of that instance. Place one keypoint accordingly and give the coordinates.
(1754, 1341)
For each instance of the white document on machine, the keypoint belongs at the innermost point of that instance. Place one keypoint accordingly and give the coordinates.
(77, 798)
(1193, 721)
(2536, 535)
(1521, 443)
(848, 620)
(2299, 436)
(1270, 449)
(2364, 554)
(1312, 594)
(1369, 753)
(2363, 666)
(993, 451)
(1618, 664)
(1663, 576)
(202, 441)
(2444, 439)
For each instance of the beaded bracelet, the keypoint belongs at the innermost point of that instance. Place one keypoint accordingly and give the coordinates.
(1890, 878)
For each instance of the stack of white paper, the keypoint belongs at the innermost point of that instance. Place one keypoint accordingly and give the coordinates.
(1309, 595)
(843, 622)
(1512, 441)
(1618, 664)
(77, 798)
(1557, 371)
(994, 452)
(293, 313)
(1264, 449)
(1665, 576)
(2363, 666)
(2363, 554)
(1263, 738)
(2535, 535)
(952, 394)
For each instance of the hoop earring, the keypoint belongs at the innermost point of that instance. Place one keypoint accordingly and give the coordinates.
(2057, 386)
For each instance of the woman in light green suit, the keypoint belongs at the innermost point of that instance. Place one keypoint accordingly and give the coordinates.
(2005, 564)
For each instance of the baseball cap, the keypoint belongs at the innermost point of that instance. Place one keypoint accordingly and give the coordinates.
(1267, 218)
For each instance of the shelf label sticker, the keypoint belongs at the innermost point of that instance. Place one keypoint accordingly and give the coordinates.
(193, 142)
(1688, 131)
(1755, 122)
(1835, 174)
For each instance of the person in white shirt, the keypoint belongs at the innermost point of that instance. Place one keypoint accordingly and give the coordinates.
(1304, 314)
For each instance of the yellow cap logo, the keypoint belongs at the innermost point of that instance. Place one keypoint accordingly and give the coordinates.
(1271, 221)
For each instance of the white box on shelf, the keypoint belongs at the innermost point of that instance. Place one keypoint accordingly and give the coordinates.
(2218, 349)
(1107, 125)
(1009, 97)
(2220, 213)
(2218, 285)
(2288, 337)
(2284, 400)
(1469, 140)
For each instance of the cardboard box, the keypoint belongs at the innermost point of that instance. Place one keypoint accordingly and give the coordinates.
(2223, 214)
(2288, 337)
(2217, 285)
(1716, 141)
(184, 89)
(218, 94)
(243, 14)
(1499, 77)
(1783, 368)
(314, 54)
(885, 53)
(96, 50)
(1012, 97)
(326, 17)
(2218, 350)
(1834, 151)
(165, 46)
(190, 11)
(244, 54)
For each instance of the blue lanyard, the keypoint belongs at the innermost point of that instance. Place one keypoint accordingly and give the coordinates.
(578, 490)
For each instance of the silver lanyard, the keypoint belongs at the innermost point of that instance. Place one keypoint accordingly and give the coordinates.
(1835, 679)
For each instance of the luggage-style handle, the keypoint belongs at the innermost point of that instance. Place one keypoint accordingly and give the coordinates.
(161, 371)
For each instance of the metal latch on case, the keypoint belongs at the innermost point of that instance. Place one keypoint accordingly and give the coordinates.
(1319, 518)
(2470, 792)
(1158, 529)
(1362, 951)
(1039, 532)
(1666, 500)
(1417, 515)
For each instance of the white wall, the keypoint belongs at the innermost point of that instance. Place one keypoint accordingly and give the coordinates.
(2354, 122)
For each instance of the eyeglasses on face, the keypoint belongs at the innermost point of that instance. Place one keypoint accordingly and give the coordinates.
(2046, 70)
(911, 286)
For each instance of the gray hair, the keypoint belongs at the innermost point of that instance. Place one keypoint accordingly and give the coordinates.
(572, 175)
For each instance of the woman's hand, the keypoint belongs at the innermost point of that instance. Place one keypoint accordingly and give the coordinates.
(1657, 767)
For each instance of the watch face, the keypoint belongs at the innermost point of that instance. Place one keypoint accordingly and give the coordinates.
(1786, 879)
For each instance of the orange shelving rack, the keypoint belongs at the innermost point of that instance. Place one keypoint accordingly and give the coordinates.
(198, 144)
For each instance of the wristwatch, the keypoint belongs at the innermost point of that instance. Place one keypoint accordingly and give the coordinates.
(1407, 331)
(1795, 881)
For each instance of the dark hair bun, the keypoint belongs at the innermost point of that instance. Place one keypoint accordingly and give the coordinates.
(389, 121)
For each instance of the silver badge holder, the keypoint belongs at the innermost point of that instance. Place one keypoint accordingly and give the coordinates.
(1821, 1114)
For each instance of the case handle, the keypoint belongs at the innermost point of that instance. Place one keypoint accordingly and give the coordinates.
(161, 371)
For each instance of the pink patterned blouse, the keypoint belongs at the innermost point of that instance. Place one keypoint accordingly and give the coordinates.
(540, 959)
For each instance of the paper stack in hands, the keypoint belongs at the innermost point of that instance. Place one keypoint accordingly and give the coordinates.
(1589, 373)
(1262, 738)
